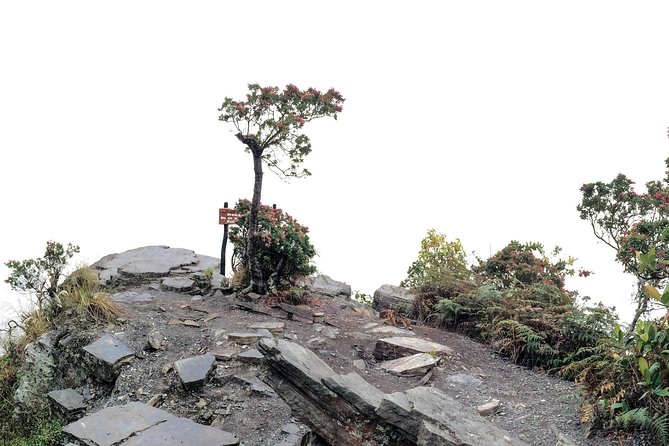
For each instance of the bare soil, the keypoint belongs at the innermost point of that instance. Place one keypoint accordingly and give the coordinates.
(531, 402)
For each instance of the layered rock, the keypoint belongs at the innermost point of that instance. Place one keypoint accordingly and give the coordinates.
(345, 409)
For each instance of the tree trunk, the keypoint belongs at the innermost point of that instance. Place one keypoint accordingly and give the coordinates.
(257, 282)
(642, 307)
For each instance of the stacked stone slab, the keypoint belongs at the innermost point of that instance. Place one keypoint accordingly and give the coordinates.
(137, 424)
(347, 410)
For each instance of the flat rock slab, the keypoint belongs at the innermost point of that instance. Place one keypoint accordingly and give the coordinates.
(390, 330)
(107, 355)
(325, 286)
(137, 424)
(177, 284)
(397, 347)
(275, 327)
(132, 296)
(112, 425)
(245, 338)
(391, 296)
(137, 265)
(413, 365)
(181, 431)
(68, 401)
(193, 371)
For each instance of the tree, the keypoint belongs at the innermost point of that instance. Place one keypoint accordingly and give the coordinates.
(42, 275)
(285, 251)
(269, 124)
(635, 225)
(438, 260)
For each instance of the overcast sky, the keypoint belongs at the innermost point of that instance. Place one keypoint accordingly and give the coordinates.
(480, 119)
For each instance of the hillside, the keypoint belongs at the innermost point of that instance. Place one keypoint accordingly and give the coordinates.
(243, 347)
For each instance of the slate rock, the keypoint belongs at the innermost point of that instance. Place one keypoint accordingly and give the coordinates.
(391, 296)
(132, 296)
(252, 356)
(390, 330)
(67, 401)
(413, 365)
(178, 284)
(244, 338)
(182, 431)
(275, 327)
(325, 286)
(397, 347)
(193, 371)
(464, 378)
(107, 355)
(113, 424)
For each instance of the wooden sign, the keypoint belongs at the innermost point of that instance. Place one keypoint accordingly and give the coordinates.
(228, 216)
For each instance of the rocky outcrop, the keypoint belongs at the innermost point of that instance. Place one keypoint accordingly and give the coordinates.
(345, 409)
(179, 269)
(391, 296)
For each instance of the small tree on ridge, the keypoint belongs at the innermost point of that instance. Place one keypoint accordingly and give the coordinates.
(269, 124)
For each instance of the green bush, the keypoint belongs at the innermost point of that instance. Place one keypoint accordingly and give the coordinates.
(283, 248)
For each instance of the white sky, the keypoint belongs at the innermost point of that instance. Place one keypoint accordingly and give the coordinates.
(480, 119)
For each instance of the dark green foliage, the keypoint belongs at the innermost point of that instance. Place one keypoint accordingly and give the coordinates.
(284, 251)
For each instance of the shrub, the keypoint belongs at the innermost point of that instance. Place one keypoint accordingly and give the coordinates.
(284, 251)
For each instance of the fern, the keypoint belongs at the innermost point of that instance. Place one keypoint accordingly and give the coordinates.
(640, 417)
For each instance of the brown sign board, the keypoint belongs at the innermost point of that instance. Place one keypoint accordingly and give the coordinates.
(227, 216)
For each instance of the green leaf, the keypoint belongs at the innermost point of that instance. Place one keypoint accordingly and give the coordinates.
(661, 392)
(643, 366)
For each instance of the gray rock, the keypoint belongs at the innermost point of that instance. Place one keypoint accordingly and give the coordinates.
(264, 333)
(290, 428)
(396, 347)
(317, 342)
(225, 353)
(488, 408)
(326, 286)
(182, 431)
(67, 401)
(142, 425)
(348, 410)
(132, 296)
(413, 365)
(464, 378)
(112, 425)
(251, 355)
(141, 265)
(244, 338)
(359, 364)
(193, 371)
(275, 327)
(155, 340)
(106, 356)
(352, 388)
(391, 296)
(390, 330)
(254, 384)
(177, 284)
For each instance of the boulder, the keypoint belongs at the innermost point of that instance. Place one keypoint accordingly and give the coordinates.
(414, 365)
(391, 296)
(325, 286)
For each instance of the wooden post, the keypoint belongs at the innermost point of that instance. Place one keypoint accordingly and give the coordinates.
(224, 244)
